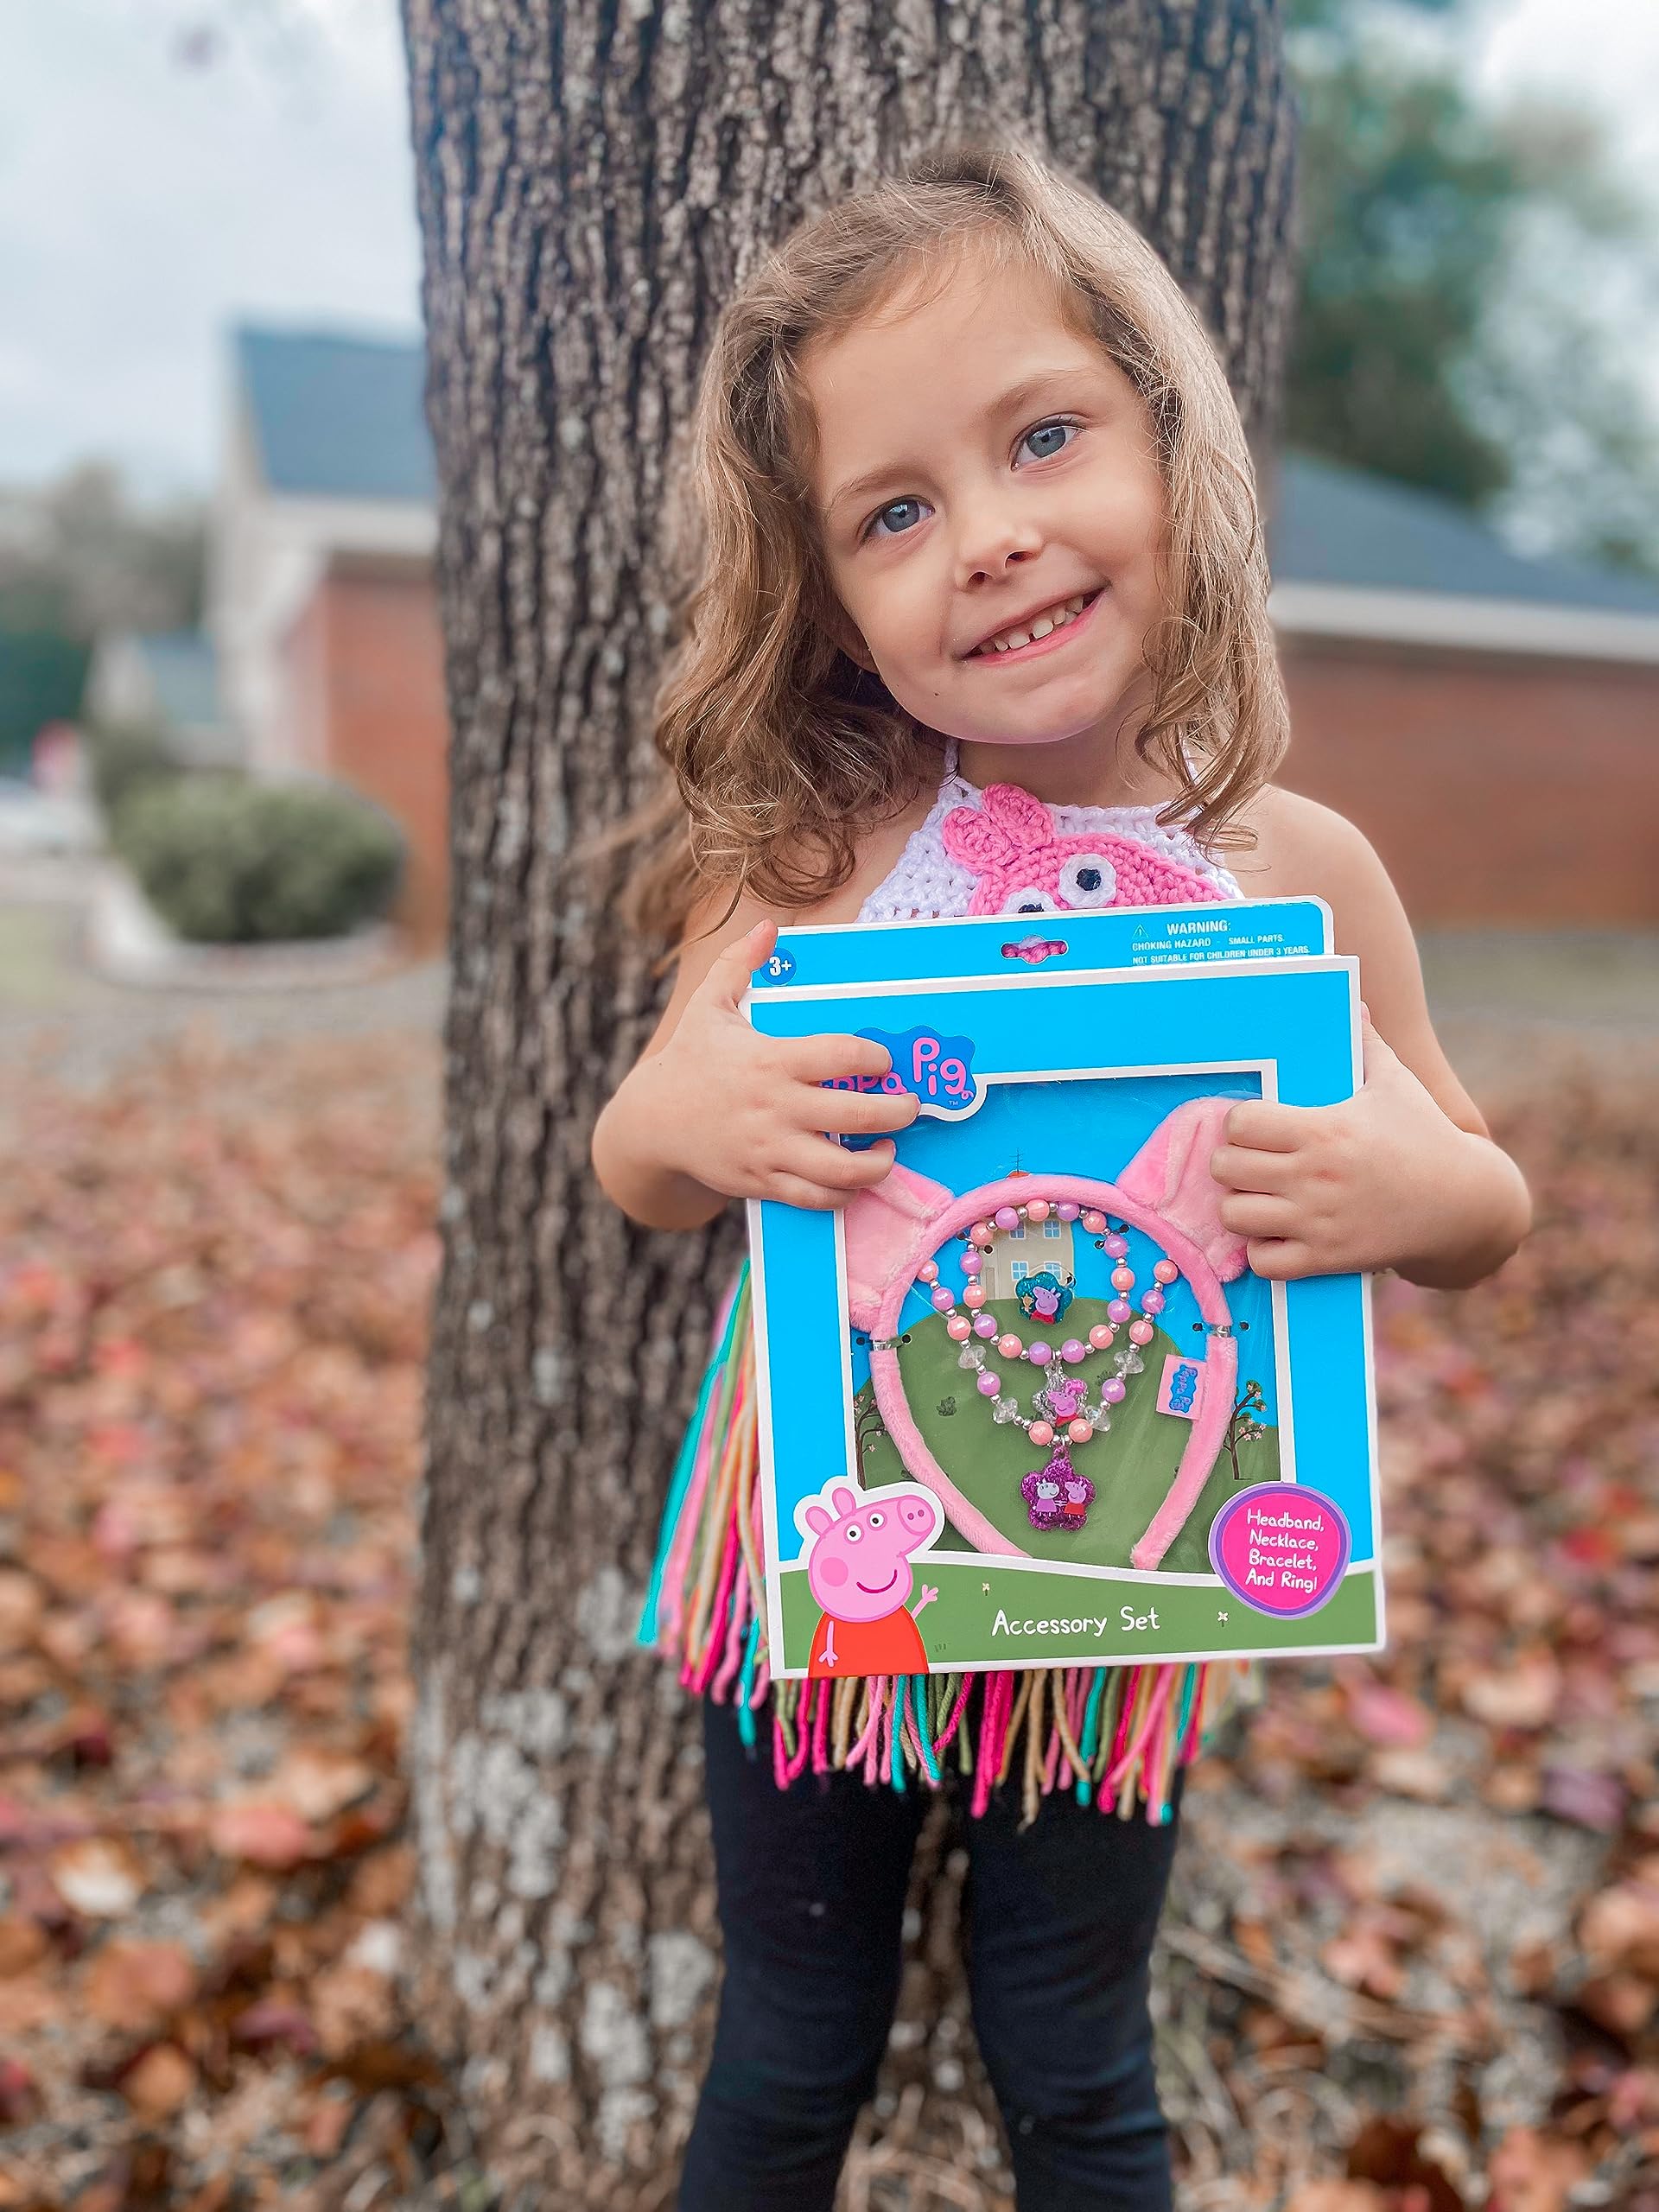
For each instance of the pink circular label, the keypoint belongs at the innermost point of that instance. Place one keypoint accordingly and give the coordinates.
(1282, 1547)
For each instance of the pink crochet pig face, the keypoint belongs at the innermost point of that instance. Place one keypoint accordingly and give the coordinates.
(859, 1567)
(1025, 866)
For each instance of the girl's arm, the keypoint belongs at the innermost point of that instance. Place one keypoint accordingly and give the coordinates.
(1405, 1174)
(712, 1110)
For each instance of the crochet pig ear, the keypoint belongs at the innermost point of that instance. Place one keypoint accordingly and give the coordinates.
(1171, 1175)
(880, 1225)
(973, 838)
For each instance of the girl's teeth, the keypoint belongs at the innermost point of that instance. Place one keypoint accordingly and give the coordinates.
(1012, 639)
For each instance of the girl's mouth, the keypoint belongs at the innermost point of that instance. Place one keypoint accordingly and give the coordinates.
(1052, 643)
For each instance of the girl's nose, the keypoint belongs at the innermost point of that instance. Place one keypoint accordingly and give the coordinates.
(994, 536)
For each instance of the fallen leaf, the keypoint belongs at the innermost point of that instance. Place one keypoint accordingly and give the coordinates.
(160, 2082)
(134, 1986)
(98, 1876)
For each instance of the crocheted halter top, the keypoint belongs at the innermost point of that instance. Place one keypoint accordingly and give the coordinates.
(1113, 1735)
(929, 882)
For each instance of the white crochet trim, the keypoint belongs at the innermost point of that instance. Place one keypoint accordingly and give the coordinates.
(926, 884)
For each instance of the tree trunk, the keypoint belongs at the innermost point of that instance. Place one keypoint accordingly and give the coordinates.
(592, 179)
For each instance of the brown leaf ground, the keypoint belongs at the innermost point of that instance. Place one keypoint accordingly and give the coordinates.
(1414, 1961)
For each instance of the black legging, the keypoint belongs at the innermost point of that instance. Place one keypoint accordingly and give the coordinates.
(1059, 1925)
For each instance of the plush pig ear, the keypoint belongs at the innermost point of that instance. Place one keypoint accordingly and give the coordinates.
(972, 838)
(880, 1225)
(1171, 1174)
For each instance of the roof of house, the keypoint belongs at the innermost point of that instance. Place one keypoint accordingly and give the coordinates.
(336, 415)
(1338, 526)
(342, 416)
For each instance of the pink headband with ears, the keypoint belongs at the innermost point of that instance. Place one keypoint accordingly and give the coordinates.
(1167, 1190)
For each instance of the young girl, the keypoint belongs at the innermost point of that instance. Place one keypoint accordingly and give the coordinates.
(976, 509)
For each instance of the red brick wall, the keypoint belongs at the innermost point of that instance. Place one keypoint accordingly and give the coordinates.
(365, 663)
(1495, 790)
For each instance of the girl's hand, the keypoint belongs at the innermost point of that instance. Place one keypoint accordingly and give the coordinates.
(745, 1114)
(1385, 1179)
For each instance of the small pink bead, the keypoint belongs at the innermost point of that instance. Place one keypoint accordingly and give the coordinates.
(1006, 1218)
(1038, 1209)
(1166, 1271)
(1078, 1431)
(1152, 1302)
(989, 1383)
(928, 1272)
(944, 1300)
(1120, 1309)
(972, 1262)
(958, 1328)
(1115, 1392)
(1141, 1333)
(1117, 1246)
(1072, 1351)
(1039, 1353)
(1122, 1278)
(1093, 1220)
(974, 1297)
(1069, 1209)
(1040, 1434)
(982, 1233)
(986, 1326)
(1100, 1336)
(1010, 1346)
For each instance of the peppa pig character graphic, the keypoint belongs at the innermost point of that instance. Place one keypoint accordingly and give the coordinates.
(1026, 867)
(1042, 1297)
(858, 1568)
(1078, 1494)
(1063, 1400)
(1044, 1500)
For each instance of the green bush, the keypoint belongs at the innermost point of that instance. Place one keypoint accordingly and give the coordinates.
(126, 758)
(229, 861)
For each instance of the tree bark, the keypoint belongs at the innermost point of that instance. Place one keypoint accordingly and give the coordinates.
(593, 178)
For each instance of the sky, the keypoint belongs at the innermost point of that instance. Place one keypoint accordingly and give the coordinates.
(169, 167)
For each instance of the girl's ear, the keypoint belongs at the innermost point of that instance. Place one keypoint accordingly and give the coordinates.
(846, 633)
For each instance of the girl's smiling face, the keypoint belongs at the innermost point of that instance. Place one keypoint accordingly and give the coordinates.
(979, 463)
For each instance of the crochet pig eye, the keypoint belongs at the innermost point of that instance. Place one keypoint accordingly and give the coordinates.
(1088, 880)
(1031, 900)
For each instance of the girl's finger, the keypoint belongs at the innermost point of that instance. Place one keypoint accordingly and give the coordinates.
(1238, 1167)
(1249, 1213)
(1280, 1259)
(1259, 1125)
(731, 973)
(820, 1059)
(825, 1161)
(861, 1113)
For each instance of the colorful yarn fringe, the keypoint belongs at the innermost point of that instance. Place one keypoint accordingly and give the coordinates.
(1115, 1736)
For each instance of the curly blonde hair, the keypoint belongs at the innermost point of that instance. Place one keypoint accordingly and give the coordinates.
(780, 750)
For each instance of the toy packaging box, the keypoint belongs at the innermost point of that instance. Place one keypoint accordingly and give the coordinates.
(1023, 1402)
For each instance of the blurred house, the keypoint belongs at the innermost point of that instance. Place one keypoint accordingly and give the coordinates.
(165, 681)
(1472, 710)
(321, 603)
(1490, 722)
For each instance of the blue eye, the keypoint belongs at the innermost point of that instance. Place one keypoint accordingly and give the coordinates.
(892, 506)
(1037, 430)
(1042, 431)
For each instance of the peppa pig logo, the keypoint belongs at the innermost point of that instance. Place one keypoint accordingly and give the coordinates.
(859, 1547)
(938, 1070)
